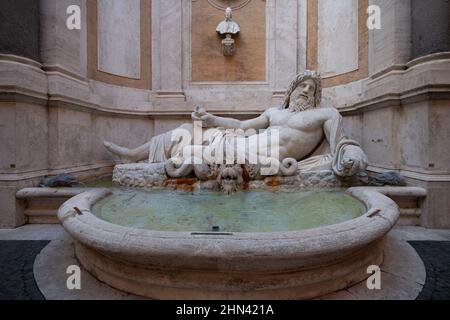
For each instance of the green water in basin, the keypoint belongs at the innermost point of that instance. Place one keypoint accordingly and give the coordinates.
(246, 211)
(100, 183)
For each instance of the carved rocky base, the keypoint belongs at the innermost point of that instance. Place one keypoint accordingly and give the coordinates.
(153, 175)
(140, 175)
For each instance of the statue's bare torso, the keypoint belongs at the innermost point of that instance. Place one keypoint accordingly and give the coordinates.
(299, 132)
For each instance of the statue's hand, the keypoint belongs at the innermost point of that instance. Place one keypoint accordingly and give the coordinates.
(206, 118)
(354, 160)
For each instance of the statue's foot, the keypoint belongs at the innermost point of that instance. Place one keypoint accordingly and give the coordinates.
(124, 154)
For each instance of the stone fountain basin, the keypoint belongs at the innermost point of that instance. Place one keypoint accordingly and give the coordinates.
(271, 265)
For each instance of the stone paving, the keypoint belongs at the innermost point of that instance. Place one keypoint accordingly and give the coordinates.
(436, 257)
(16, 270)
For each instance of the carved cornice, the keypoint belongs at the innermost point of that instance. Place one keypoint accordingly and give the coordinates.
(425, 78)
(430, 92)
(416, 174)
(58, 69)
(233, 4)
(14, 177)
(377, 93)
(19, 59)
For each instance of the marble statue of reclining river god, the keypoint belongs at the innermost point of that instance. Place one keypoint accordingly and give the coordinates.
(298, 136)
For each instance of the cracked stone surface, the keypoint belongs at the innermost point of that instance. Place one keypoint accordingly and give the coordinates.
(16, 269)
(436, 256)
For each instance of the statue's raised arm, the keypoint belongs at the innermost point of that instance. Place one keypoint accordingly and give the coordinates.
(211, 121)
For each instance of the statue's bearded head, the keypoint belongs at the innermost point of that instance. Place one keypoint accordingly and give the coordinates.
(304, 92)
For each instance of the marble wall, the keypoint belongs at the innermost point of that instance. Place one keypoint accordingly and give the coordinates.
(125, 78)
(61, 49)
(390, 46)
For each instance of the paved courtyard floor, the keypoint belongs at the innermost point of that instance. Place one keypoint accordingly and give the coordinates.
(34, 261)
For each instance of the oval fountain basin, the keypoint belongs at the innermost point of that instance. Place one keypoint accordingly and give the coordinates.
(275, 264)
(247, 211)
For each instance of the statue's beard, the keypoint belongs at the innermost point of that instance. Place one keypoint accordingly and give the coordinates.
(301, 105)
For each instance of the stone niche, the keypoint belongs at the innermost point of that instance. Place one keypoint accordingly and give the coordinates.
(248, 62)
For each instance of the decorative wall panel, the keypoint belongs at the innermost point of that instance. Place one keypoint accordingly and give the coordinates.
(119, 42)
(338, 40)
(249, 61)
(119, 38)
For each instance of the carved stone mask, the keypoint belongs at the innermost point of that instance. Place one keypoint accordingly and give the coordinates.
(230, 178)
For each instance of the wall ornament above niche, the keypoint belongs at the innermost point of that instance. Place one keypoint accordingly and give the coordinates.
(228, 28)
(233, 4)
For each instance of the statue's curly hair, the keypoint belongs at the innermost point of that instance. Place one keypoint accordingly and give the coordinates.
(308, 74)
